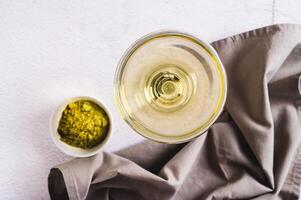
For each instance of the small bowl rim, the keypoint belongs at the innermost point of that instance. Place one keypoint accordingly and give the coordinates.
(66, 148)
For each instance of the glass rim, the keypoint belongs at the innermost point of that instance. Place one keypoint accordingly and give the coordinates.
(145, 132)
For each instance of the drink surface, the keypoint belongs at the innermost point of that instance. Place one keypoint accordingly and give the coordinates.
(170, 87)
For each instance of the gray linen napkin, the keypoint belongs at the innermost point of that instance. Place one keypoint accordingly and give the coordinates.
(252, 152)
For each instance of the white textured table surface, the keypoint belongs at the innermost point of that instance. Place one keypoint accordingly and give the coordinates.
(51, 50)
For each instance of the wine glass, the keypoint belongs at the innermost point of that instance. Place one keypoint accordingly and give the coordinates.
(170, 86)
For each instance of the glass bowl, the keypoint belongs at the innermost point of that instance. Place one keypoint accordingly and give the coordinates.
(170, 86)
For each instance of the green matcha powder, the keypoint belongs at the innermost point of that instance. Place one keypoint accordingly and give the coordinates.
(83, 124)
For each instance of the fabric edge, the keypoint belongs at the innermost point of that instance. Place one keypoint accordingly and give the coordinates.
(257, 32)
(69, 182)
(56, 185)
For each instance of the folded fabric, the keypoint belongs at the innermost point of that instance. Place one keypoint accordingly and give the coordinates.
(251, 152)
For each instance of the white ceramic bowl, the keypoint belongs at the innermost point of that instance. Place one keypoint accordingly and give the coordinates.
(70, 150)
